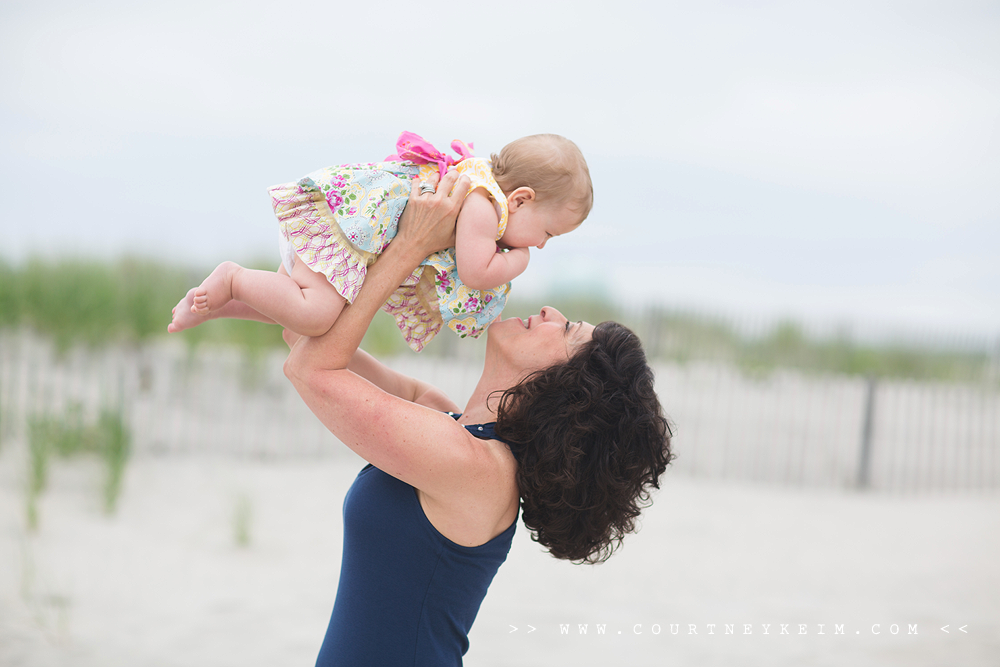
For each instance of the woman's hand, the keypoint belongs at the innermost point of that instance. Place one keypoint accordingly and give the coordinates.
(428, 221)
(426, 226)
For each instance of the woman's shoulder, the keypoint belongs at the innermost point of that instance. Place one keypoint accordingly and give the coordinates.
(461, 455)
(491, 455)
(480, 501)
(480, 431)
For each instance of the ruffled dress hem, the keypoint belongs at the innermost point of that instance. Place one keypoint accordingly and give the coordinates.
(310, 228)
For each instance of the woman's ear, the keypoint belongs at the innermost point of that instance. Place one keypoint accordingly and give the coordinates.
(520, 197)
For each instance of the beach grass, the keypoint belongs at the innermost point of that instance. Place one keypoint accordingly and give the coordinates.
(94, 303)
(68, 435)
(760, 348)
(242, 520)
(115, 447)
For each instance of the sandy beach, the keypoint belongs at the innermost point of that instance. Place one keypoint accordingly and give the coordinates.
(716, 570)
(791, 207)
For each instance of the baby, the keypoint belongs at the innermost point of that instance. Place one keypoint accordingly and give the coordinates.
(336, 221)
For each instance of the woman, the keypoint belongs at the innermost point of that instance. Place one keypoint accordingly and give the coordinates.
(564, 423)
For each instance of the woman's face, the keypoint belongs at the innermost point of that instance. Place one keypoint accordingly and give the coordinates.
(540, 341)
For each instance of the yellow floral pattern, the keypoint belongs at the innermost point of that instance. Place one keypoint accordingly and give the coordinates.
(339, 219)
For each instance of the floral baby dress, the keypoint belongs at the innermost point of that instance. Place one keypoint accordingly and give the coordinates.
(339, 219)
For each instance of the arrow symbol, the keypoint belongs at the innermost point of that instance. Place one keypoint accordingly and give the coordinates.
(963, 628)
(531, 630)
(513, 629)
(945, 628)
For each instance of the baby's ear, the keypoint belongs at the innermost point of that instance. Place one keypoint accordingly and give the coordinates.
(520, 196)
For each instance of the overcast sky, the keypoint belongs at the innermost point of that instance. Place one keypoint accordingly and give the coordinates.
(829, 161)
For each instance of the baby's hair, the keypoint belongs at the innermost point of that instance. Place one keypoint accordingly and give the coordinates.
(550, 165)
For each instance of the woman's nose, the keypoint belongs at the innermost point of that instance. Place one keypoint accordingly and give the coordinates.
(549, 314)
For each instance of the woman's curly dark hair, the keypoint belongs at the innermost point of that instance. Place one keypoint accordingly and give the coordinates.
(591, 441)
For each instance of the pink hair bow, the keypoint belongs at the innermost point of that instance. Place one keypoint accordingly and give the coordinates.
(412, 147)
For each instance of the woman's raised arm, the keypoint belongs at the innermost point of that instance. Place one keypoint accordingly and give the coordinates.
(401, 437)
(426, 226)
(389, 380)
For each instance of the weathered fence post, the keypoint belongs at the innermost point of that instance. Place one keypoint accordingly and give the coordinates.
(864, 463)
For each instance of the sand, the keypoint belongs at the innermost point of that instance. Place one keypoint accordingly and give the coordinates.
(164, 581)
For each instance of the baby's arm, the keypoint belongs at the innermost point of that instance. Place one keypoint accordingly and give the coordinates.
(480, 266)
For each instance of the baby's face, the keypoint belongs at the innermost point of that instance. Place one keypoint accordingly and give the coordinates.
(531, 225)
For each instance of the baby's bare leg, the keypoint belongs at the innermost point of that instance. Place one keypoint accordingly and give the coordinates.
(216, 290)
(304, 302)
(185, 317)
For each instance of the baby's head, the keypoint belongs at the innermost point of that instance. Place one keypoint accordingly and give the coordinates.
(547, 173)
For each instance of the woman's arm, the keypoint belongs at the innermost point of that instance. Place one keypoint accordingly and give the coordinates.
(480, 266)
(427, 225)
(422, 447)
(390, 380)
(405, 387)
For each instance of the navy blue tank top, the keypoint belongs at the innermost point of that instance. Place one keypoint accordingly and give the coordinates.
(407, 594)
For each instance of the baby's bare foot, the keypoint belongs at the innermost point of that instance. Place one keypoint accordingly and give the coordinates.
(183, 315)
(216, 291)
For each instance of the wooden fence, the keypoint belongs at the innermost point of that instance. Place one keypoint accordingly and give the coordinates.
(783, 426)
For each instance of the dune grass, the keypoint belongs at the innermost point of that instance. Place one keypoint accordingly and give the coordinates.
(786, 344)
(683, 336)
(97, 303)
(242, 520)
(129, 301)
(69, 435)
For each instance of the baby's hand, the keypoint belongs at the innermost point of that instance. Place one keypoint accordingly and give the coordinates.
(525, 251)
(518, 257)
